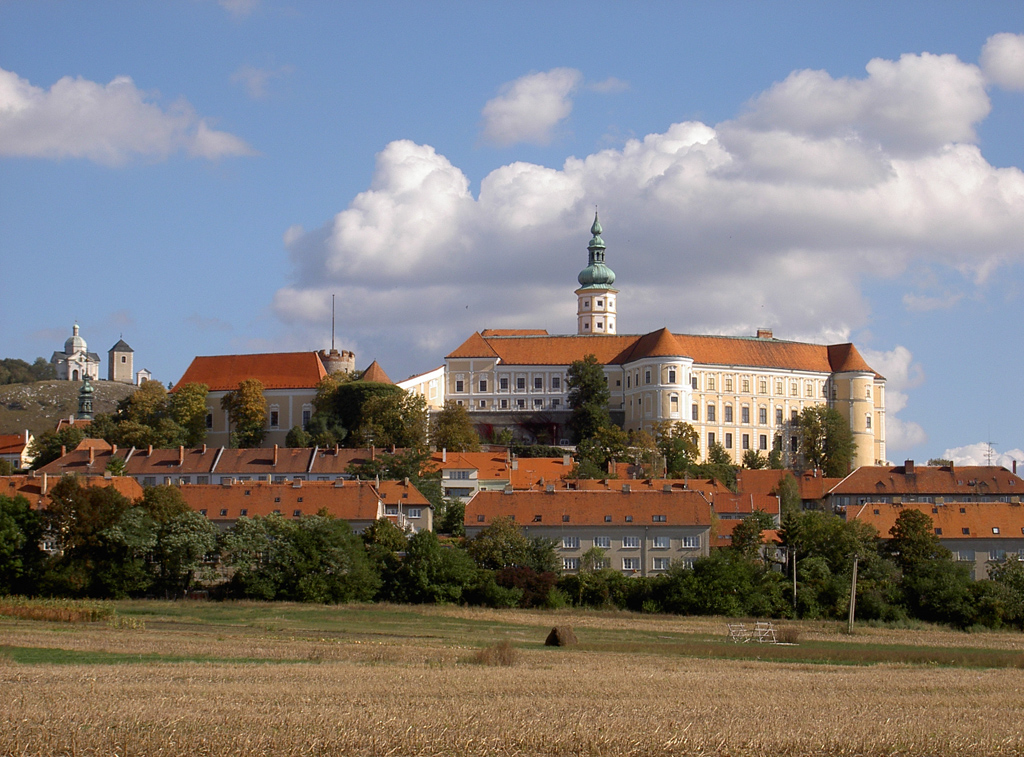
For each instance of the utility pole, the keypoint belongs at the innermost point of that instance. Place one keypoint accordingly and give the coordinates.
(792, 556)
(853, 593)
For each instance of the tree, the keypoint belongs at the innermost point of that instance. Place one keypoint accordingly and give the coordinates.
(247, 413)
(754, 460)
(500, 545)
(183, 539)
(187, 408)
(393, 420)
(48, 447)
(913, 542)
(298, 437)
(588, 398)
(607, 444)
(747, 535)
(788, 492)
(452, 429)
(826, 442)
(679, 445)
(435, 574)
(21, 558)
(718, 466)
(450, 517)
(940, 462)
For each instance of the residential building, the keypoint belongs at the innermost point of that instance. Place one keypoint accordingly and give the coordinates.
(463, 474)
(14, 448)
(812, 485)
(36, 486)
(76, 363)
(640, 532)
(741, 392)
(429, 386)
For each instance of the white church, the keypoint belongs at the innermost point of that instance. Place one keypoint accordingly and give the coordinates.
(76, 363)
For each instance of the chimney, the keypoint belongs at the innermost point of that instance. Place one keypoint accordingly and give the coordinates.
(92, 455)
(1015, 467)
(337, 448)
(764, 333)
(275, 455)
(204, 449)
(373, 452)
(626, 489)
(908, 467)
(406, 482)
(113, 450)
(63, 450)
(444, 454)
(515, 464)
(550, 488)
(26, 437)
(566, 460)
(181, 455)
(45, 487)
(149, 451)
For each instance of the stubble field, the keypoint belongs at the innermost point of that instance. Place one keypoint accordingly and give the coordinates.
(255, 679)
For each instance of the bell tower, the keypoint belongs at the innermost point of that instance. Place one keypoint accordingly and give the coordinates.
(595, 299)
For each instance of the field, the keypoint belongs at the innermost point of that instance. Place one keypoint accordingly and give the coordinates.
(277, 679)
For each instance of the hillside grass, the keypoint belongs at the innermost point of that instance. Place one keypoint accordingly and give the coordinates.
(39, 405)
(287, 679)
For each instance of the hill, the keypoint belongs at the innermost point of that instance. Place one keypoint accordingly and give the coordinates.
(39, 405)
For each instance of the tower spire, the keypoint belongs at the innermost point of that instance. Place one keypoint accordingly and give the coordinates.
(595, 311)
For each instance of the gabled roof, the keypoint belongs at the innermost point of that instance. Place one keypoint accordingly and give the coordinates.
(401, 492)
(981, 520)
(812, 485)
(376, 374)
(275, 370)
(944, 481)
(589, 508)
(36, 488)
(347, 500)
(491, 466)
(756, 352)
(12, 444)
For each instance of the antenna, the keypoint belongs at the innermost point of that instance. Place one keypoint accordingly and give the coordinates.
(332, 323)
(989, 452)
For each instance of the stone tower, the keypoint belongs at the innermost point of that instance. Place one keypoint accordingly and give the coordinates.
(595, 299)
(120, 362)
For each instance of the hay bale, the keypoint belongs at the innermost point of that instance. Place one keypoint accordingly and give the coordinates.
(561, 636)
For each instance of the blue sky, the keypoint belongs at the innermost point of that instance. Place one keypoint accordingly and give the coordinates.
(201, 177)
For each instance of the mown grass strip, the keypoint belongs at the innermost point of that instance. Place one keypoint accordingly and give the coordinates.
(57, 656)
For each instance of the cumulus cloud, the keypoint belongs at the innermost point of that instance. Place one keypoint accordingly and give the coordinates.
(901, 375)
(108, 124)
(982, 453)
(776, 219)
(529, 108)
(1002, 60)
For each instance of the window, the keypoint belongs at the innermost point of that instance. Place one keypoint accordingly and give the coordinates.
(662, 542)
(762, 441)
(778, 416)
(746, 386)
(995, 529)
(603, 542)
(762, 416)
(711, 438)
(460, 385)
(521, 404)
(762, 386)
(647, 376)
(600, 303)
(202, 512)
(565, 519)
(538, 403)
(695, 412)
(503, 384)
(631, 563)
(693, 383)
(556, 403)
(415, 512)
(391, 509)
(728, 385)
(661, 563)
(306, 415)
(745, 414)
(202, 479)
(629, 519)
(223, 512)
(690, 542)
(586, 304)
(537, 518)
(711, 413)
(867, 421)
(711, 383)
(793, 415)
(556, 383)
(274, 417)
(627, 381)
(809, 388)
(570, 563)
(570, 542)
(504, 404)
(966, 531)
(671, 375)
(658, 518)
(297, 513)
(151, 481)
(728, 441)
(778, 388)
(608, 519)
(243, 512)
(538, 383)
(483, 385)
(630, 542)
(483, 403)
(521, 384)
(209, 420)
(794, 388)
(728, 413)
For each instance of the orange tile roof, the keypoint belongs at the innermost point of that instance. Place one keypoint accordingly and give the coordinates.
(944, 481)
(727, 503)
(64, 423)
(978, 518)
(351, 501)
(811, 484)
(401, 492)
(89, 442)
(491, 466)
(276, 370)
(375, 374)
(12, 444)
(36, 488)
(535, 471)
(523, 349)
(589, 508)
(514, 332)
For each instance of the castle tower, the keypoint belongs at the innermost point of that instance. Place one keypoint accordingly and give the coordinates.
(120, 362)
(595, 299)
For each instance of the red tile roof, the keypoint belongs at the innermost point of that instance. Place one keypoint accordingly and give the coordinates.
(523, 349)
(12, 444)
(514, 332)
(36, 488)
(945, 481)
(348, 500)
(376, 374)
(277, 370)
(811, 484)
(979, 519)
(401, 492)
(589, 508)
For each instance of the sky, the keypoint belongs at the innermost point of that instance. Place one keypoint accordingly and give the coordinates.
(200, 177)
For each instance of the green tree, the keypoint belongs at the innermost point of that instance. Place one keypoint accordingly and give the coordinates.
(754, 460)
(501, 545)
(718, 466)
(187, 408)
(183, 540)
(50, 445)
(940, 462)
(747, 537)
(393, 420)
(298, 437)
(788, 492)
(451, 428)
(775, 456)
(435, 574)
(679, 444)
(826, 442)
(594, 453)
(588, 398)
(6, 468)
(914, 542)
(450, 517)
(247, 413)
(117, 466)
(21, 558)
(1009, 574)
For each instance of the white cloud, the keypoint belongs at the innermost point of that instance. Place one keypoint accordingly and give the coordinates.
(922, 303)
(901, 375)
(981, 453)
(529, 108)
(1002, 60)
(108, 124)
(775, 219)
(256, 81)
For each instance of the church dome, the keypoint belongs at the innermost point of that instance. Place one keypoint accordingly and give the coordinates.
(75, 343)
(596, 275)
